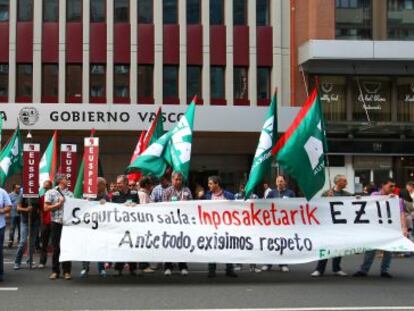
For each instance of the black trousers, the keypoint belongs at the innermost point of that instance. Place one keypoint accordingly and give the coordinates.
(56, 232)
(336, 265)
(181, 265)
(212, 267)
(45, 231)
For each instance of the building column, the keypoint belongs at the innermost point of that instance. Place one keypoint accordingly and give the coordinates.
(252, 52)
(133, 68)
(394, 100)
(109, 51)
(12, 51)
(182, 70)
(62, 52)
(349, 99)
(276, 23)
(37, 51)
(205, 71)
(158, 51)
(85, 46)
(228, 21)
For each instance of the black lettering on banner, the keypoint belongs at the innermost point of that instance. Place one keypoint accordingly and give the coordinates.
(360, 212)
(124, 117)
(170, 119)
(74, 215)
(54, 116)
(3, 115)
(142, 116)
(126, 239)
(335, 214)
(65, 116)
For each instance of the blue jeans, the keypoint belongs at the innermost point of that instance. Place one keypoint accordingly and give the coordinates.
(14, 224)
(24, 233)
(369, 259)
(2, 230)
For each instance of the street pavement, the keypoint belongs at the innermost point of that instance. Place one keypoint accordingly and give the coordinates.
(31, 290)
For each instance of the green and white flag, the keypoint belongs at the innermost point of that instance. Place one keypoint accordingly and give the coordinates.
(173, 149)
(263, 157)
(11, 157)
(48, 163)
(300, 152)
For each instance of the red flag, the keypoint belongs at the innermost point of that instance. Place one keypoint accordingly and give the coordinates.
(143, 143)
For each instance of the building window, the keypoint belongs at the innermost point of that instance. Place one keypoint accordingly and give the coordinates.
(145, 81)
(216, 12)
(400, 19)
(97, 80)
(170, 81)
(372, 99)
(73, 82)
(50, 80)
(262, 12)
(240, 83)
(405, 90)
(121, 81)
(194, 81)
(217, 82)
(24, 80)
(25, 10)
(193, 12)
(169, 12)
(4, 10)
(98, 8)
(353, 19)
(74, 10)
(239, 12)
(4, 80)
(121, 11)
(332, 91)
(50, 10)
(145, 11)
(263, 83)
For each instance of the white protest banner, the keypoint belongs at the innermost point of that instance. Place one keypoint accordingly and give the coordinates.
(281, 231)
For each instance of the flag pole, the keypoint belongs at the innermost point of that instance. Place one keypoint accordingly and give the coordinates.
(29, 218)
(324, 130)
(304, 81)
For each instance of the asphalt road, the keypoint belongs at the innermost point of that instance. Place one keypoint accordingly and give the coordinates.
(31, 290)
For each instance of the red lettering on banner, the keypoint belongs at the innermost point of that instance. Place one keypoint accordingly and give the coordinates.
(272, 216)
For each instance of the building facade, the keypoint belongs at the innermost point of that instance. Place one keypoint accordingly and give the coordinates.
(362, 51)
(75, 65)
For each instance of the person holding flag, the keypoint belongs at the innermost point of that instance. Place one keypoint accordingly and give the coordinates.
(54, 202)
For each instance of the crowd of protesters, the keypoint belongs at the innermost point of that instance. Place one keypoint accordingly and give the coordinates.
(38, 223)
